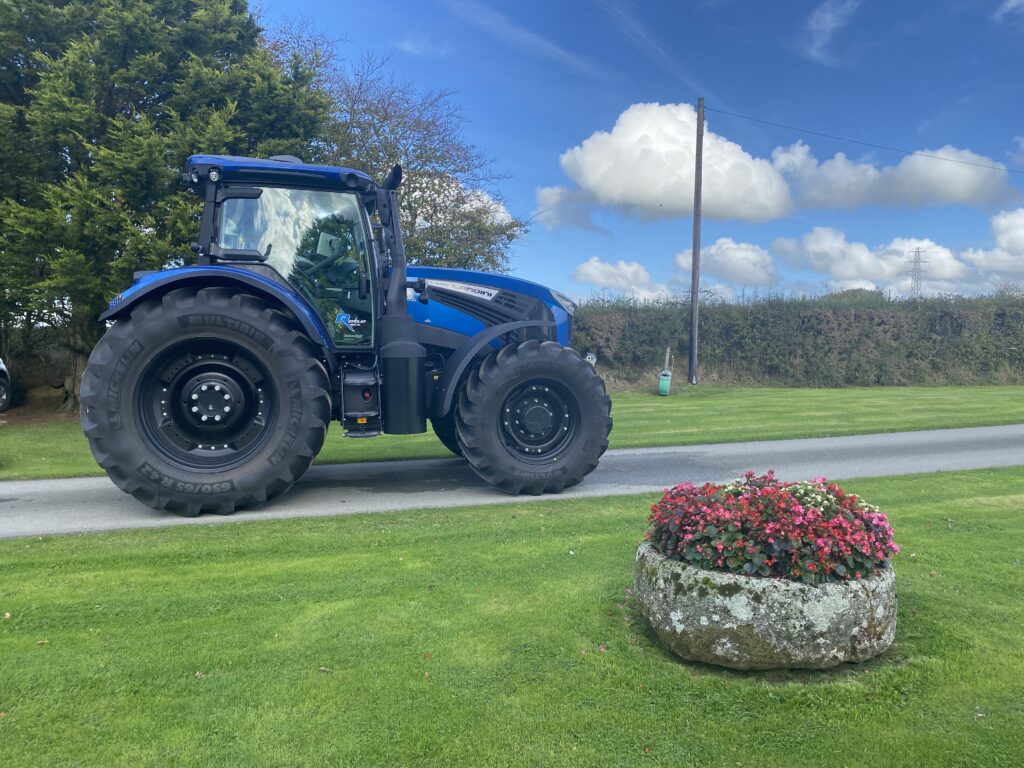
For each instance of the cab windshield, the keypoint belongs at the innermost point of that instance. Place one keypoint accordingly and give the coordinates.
(316, 240)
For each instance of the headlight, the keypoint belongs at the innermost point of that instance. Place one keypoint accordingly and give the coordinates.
(567, 304)
(193, 176)
(214, 175)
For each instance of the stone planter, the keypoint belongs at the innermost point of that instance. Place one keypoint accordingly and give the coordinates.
(747, 622)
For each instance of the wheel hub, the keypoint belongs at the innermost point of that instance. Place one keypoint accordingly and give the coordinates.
(539, 420)
(206, 406)
(213, 400)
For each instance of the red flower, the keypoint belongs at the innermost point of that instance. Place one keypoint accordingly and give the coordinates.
(770, 527)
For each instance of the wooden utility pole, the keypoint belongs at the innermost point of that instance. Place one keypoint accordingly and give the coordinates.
(698, 170)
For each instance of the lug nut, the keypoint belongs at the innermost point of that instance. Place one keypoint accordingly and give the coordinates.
(217, 388)
(216, 418)
(195, 409)
(205, 417)
(227, 409)
(195, 396)
(204, 388)
(227, 396)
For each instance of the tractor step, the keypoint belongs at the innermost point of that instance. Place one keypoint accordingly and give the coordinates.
(362, 433)
(361, 402)
(360, 378)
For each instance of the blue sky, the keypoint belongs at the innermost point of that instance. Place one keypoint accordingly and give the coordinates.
(586, 104)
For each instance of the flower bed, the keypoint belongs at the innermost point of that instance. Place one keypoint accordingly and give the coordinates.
(812, 532)
(758, 573)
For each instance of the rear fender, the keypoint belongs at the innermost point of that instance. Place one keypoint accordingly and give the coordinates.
(463, 357)
(159, 283)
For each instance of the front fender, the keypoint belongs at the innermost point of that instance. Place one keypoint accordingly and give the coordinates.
(464, 355)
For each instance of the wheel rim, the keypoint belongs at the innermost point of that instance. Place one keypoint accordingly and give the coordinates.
(539, 420)
(206, 404)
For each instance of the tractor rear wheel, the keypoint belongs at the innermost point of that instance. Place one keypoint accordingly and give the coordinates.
(205, 400)
(5, 395)
(444, 428)
(534, 418)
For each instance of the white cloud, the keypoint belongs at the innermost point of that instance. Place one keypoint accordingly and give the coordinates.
(823, 24)
(645, 166)
(1007, 258)
(916, 181)
(847, 264)
(559, 207)
(740, 263)
(788, 248)
(1008, 230)
(1009, 8)
(628, 277)
(841, 264)
(1017, 155)
(425, 46)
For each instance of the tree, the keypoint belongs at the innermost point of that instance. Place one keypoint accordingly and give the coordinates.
(101, 101)
(450, 216)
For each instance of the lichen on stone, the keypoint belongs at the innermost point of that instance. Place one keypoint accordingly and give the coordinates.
(747, 622)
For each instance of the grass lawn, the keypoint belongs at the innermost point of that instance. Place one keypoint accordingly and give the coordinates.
(36, 445)
(487, 636)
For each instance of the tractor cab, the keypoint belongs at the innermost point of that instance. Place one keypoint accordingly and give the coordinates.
(309, 224)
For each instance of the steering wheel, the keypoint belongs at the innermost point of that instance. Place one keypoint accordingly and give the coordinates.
(320, 266)
(348, 272)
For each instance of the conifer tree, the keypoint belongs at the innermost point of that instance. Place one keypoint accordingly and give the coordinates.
(101, 101)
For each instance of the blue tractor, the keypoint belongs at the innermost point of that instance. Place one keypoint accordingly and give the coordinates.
(214, 384)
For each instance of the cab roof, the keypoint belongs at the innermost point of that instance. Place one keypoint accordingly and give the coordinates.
(281, 170)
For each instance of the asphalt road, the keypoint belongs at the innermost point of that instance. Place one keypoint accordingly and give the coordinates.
(43, 507)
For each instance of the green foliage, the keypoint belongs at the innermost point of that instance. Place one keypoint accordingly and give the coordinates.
(856, 338)
(100, 104)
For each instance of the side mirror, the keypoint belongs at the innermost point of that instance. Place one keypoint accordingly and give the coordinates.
(394, 178)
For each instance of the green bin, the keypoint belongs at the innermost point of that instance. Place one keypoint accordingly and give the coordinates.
(664, 382)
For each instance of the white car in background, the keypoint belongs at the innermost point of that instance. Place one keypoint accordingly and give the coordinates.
(5, 387)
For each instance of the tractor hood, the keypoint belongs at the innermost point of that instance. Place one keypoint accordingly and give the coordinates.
(465, 301)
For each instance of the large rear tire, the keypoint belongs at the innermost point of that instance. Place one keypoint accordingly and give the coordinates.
(205, 401)
(534, 418)
(5, 395)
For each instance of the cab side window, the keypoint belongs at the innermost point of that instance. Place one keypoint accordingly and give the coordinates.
(317, 241)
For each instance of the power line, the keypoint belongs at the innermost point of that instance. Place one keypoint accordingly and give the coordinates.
(863, 143)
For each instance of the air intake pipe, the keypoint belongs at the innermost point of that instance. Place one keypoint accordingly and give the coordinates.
(403, 396)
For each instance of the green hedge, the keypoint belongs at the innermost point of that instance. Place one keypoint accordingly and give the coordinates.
(854, 339)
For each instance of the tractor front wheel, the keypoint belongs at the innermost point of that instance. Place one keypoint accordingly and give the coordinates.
(205, 401)
(534, 418)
